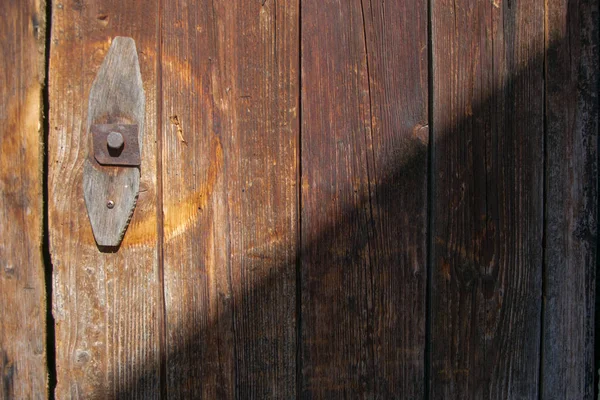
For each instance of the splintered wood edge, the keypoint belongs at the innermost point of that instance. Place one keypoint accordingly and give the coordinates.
(116, 96)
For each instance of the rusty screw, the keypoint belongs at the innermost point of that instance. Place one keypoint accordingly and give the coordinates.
(110, 204)
(114, 141)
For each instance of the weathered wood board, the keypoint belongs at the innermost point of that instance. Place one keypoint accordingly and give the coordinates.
(229, 142)
(364, 197)
(572, 70)
(107, 306)
(279, 246)
(116, 97)
(488, 204)
(23, 371)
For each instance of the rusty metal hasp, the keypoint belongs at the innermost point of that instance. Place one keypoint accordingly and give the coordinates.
(111, 175)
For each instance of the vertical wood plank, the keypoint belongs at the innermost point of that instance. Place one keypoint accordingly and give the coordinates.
(229, 166)
(488, 205)
(364, 198)
(116, 97)
(23, 372)
(107, 306)
(572, 200)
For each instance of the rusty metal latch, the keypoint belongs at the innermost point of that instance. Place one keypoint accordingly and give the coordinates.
(111, 174)
(116, 144)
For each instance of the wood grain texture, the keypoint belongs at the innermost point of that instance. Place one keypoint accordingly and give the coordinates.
(572, 199)
(116, 97)
(364, 198)
(229, 165)
(107, 306)
(488, 199)
(224, 235)
(23, 373)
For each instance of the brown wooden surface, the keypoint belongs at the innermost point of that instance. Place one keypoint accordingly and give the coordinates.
(488, 211)
(23, 372)
(364, 182)
(279, 244)
(229, 165)
(572, 199)
(107, 306)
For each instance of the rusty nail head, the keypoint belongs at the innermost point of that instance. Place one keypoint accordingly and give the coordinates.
(114, 140)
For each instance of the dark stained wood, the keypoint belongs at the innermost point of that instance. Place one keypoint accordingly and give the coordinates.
(229, 166)
(107, 306)
(116, 97)
(364, 198)
(488, 152)
(23, 372)
(572, 199)
(278, 248)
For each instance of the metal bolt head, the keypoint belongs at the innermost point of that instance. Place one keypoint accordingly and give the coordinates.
(110, 204)
(114, 141)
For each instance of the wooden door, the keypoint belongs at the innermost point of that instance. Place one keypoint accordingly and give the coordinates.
(343, 199)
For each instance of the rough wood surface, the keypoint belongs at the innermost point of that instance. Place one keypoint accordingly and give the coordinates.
(23, 373)
(116, 97)
(488, 198)
(364, 198)
(247, 201)
(107, 306)
(229, 165)
(572, 199)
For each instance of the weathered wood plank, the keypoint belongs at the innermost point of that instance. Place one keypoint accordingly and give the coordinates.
(572, 199)
(229, 165)
(116, 97)
(488, 199)
(107, 306)
(364, 198)
(23, 372)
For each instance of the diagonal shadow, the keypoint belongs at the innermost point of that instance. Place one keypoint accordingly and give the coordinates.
(323, 261)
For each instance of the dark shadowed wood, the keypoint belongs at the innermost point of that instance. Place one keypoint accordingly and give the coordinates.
(116, 96)
(572, 200)
(364, 182)
(107, 306)
(229, 165)
(488, 198)
(236, 216)
(23, 373)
